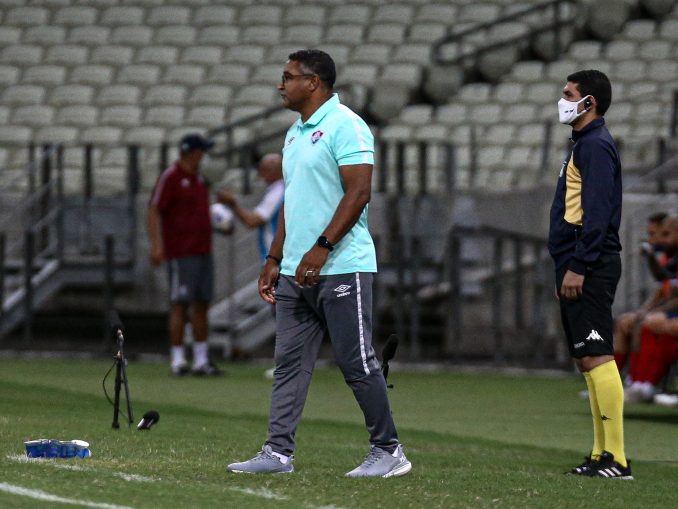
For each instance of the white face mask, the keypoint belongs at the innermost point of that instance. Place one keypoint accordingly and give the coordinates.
(567, 110)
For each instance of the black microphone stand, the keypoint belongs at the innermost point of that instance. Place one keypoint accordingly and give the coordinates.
(120, 379)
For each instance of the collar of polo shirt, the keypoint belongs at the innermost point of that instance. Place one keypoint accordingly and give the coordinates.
(320, 112)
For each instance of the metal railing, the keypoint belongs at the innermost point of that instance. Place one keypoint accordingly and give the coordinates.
(554, 26)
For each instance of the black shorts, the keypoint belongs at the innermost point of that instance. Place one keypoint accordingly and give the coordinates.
(191, 279)
(588, 321)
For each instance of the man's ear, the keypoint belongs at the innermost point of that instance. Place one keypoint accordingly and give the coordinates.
(314, 83)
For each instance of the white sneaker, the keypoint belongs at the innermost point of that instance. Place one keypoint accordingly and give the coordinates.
(381, 463)
(670, 400)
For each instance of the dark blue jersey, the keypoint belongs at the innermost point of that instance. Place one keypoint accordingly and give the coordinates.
(586, 209)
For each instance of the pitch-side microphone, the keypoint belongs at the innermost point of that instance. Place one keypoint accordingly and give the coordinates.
(116, 325)
(149, 419)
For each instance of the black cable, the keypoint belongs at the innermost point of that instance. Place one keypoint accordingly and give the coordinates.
(103, 385)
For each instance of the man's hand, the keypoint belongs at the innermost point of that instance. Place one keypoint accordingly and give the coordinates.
(656, 322)
(157, 255)
(226, 197)
(572, 286)
(308, 271)
(267, 280)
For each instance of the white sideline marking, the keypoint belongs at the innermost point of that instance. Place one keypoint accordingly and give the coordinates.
(48, 497)
(64, 466)
(261, 492)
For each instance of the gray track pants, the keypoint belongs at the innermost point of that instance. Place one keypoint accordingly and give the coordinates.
(341, 306)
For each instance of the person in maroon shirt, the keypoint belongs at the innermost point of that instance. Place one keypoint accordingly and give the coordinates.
(180, 233)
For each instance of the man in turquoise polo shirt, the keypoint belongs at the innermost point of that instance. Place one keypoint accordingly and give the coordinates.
(320, 267)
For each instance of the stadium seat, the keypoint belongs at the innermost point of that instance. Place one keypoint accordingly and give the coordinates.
(475, 93)
(44, 35)
(160, 55)
(229, 74)
(639, 30)
(205, 55)
(36, 115)
(403, 74)
(26, 17)
(428, 32)
(416, 115)
(629, 71)
(491, 157)
(132, 35)
(214, 15)
(261, 34)
(120, 16)
(9, 35)
(394, 13)
(355, 14)
(100, 135)
(48, 75)
(528, 71)
(485, 114)
(184, 74)
(656, 50)
(312, 14)
(371, 54)
(260, 15)
(445, 13)
(442, 82)
(92, 75)
(531, 135)
(164, 116)
(239, 112)
(544, 93)
(640, 90)
(121, 116)
(452, 114)
(9, 75)
(151, 136)
(118, 95)
(277, 54)
(508, 93)
(89, 35)
(77, 116)
(412, 54)
(396, 133)
(71, 94)
(268, 74)
(218, 95)
(256, 94)
(221, 35)
(363, 74)
(175, 35)
(478, 12)
(56, 134)
(168, 15)
(663, 71)
(389, 33)
(14, 134)
(605, 19)
(305, 35)
(207, 116)
(341, 34)
(23, 94)
(72, 16)
(521, 113)
(113, 55)
(245, 54)
(338, 52)
(669, 30)
(21, 55)
(501, 134)
(171, 95)
(139, 74)
(67, 54)
(621, 50)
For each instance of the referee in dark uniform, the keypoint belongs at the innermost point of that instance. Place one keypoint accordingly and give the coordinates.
(584, 243)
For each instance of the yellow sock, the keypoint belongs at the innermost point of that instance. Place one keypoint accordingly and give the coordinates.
(598, 430)
(609, 391)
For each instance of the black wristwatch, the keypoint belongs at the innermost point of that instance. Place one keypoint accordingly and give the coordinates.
(323, 242)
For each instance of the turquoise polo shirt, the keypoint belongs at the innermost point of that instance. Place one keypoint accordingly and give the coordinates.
(314, 150)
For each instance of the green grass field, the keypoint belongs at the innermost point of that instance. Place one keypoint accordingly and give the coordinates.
(475, 440)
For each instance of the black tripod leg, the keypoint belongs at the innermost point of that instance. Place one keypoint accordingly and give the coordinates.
(116, 397)
(130, 416)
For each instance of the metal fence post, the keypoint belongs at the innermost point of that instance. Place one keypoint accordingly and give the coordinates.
(3, 242)
(450, 167)
(423, 167)
(518, 286)
(382, 176)
(453, 317)
(29, 251)
(399, 306)
(415, 308)
(497, 301)
(400, 167)
(163, 160)
(60, 203)
(46, 192)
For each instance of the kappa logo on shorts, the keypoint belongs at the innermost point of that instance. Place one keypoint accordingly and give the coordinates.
(342, 290)
(594, 336)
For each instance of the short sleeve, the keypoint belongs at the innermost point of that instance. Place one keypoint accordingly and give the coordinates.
(162, 193)
(353, 142)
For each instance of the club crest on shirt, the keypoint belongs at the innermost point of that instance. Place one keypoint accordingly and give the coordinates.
(185, 183)
(316, 136)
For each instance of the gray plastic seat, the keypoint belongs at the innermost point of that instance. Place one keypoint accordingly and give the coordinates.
(544, 93)
(358, 14)
(49, 75)
(9, 35)
(117, 95)
(339, 52)
(160, 55)
(9, 75)
(92, 75)
(71, 94)
(520, 113)
(404, 74)
(501, 134)
(170, 95)
(145, 136)
(639, 30)
(224, 35)
(77, 115)
(485, 114)
(120, 16)
(416, 115)
(437, 13)
(256, 94)
(168, 15)
(23, 94)
(307, 13)
(121, 116)
(621, 50)
(428, 32)
(531, 135)
(669, 30)
(205, 55)
(132, 35)
(68, 54)
(56, 134)
(663, 71)
(260, 14)
(452, 114)
(139, 74)
(175, 35)
(35, 115)
(371, 54)
(229, 74)
(261, 34)
(508, 93)
(204, 95)
(89, 35)
(363, 74)
(394, 13)
(165, 116)
(214, 15)
(26, 16)
(475, 93)
(184, 74)
(245, 53)
(412, 54)
(305, 35)
(527, 71)
(22, 55)
(389, 33)
(45, 35)
(75, 15)
(605, 19)
(278, 54)
(267, 74)
(14, 134)
(112, 54)
(656, 50)
(208, 116)
(629, 71)
(478, 12)
(344, 33)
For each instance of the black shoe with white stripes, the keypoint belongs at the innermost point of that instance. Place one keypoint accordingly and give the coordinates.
(606, 466)
(584, 467)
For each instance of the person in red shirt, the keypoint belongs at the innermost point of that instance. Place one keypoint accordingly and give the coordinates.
(180, 233)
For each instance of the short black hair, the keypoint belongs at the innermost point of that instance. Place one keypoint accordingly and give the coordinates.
(318, 62)
(657, 217)
(595, 83)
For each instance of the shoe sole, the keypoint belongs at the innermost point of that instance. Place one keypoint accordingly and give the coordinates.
(248, 472)
(401, 470)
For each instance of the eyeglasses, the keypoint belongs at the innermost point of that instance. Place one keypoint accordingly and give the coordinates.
(289, 77)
